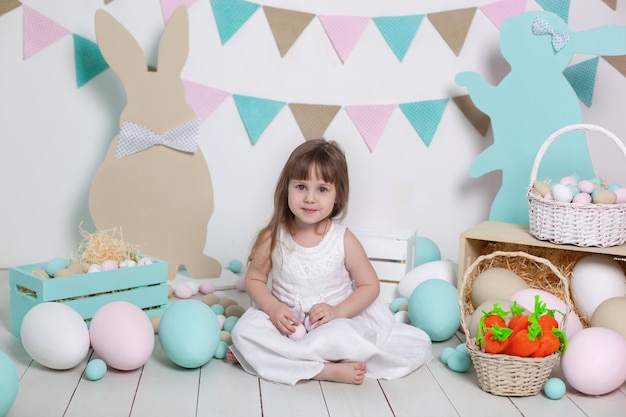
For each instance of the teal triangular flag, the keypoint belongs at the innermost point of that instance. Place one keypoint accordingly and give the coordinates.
(582, 77)
(559, 7)
(230, 15)
(425, 116)
(256, 114)
(399, 31)
(88, 60)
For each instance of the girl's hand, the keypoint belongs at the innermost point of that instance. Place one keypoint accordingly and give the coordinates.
(322, 313)
(283, 319)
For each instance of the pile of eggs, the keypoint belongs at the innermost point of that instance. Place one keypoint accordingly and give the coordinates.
(62, 267)
(571, 189)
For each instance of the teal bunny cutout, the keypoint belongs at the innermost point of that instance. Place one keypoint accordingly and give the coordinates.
(533, 101)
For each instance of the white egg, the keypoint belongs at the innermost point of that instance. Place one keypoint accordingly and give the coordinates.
(94, 268)
(443, 269)
(596, 278)
(55, 335)
(562, 193)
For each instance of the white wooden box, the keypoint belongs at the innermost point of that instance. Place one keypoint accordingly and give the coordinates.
(392, 254)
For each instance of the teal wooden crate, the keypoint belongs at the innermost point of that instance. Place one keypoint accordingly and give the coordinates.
(143, 285)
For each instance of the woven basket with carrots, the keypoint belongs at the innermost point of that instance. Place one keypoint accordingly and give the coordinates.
(515, 351)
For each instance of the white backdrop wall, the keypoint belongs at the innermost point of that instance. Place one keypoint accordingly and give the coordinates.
(54, 135)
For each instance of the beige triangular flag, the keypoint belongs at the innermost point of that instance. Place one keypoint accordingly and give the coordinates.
(618, 62)
(8, 5)
(476, 117)
(286, 26)
(313, 119)
(453, 26)
(611, 3)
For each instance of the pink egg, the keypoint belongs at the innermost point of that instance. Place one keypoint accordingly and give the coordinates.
(206, 287)
(183, 290)
(122, 335)
(586, 186)
(220, 294)
(621, 195)
(144, 261)
(221, 319)
(595, 361)
(568, 180)
(548, 196)
(526, 298)
(582, 198)
(299, 333)
(240, 284)
(109, 265)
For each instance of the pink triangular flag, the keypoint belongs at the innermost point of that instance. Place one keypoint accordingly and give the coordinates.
(203, 99)
(370, 120)
(39, 31)
(501, 10)
(169, 6)
(344, 32)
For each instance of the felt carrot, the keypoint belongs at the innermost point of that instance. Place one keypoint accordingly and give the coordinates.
(547, 322)
(496, 339)
(548, 344)
(525, 342)
(488, 319)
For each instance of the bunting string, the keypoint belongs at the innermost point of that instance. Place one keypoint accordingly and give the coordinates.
(344, 32)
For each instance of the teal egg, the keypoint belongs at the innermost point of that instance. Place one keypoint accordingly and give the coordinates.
(218, 309)
(95, 370)
(459, 361)
(53, 265)
(230, 322)
(554, 388)
(461, 348)
(445, 354)
(222, 349)
(426, 251)
(235, 266)
(395, 304)
(434, 308)
(189, 333)
(8, 383)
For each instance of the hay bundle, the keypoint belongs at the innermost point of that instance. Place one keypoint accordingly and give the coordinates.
(103, 245)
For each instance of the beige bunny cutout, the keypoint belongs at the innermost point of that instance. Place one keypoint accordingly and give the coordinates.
(160, 196)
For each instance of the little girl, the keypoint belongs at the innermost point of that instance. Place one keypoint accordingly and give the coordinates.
(321, 279)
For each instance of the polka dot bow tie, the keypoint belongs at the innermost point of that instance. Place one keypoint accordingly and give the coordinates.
(559, 39)
(136, 138)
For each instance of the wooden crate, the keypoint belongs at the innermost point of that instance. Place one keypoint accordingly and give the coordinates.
(145, 286)
(479, 239)
(392, 255)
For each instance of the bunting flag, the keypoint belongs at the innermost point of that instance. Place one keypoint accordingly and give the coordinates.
(203, 99)
(230, 15)
(582, 77)
(39, 32)
(425, 116)
(256, 114)
(313, 119)
(7, 5)
(286, 26)
(169, 6)
(88, 60)
(618, 62)
(477, 118)
(399, 32)
(611, 3)
(501, 10)
(344, 32)
(453, 26)
(370, 121)
(558, 7)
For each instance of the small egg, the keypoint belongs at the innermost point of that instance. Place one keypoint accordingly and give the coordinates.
(38, 272)
(395, 304)
(604, 197)
(459, 361)
(220, 294)
(402, 316)
(94, 268)
(613, 187)
(221, 351)
(299, 333)
(234, 310)
(109, 265)
(541, 187)
(75, 267)
(240, 284)
(54, 264)
(193, 284)
(155, 320)
(461, 348)
(562, 193)
(183, 291)
(226, 337)
(573, 189)
(620, 193)
(63, 272)
(210, 299)
(586, 186)
(218, 309)
(582, 198)
(144, 261)
(554, 388)
(230, 323)
(235, 266)
(95, 370)
(569, 180)
(225, 302)
(206, 287)
(548, 196)
(221, 319)
(445, 354)
(127, 263)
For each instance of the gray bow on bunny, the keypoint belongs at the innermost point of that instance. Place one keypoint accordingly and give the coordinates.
(136, 138)
(559, 39)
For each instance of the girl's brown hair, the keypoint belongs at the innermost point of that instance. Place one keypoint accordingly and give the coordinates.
(329, 162)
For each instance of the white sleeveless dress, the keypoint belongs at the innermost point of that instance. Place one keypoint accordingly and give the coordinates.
(302, 277)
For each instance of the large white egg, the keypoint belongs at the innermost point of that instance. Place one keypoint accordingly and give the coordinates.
(596, 278)
(442, 269)
(611, 314)
(122, 335)
(55, 335)
(495, 283)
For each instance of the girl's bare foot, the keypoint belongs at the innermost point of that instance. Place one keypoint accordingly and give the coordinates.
(230, 357)
(344, 372)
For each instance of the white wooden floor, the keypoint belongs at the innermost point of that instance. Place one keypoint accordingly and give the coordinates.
(161, 388)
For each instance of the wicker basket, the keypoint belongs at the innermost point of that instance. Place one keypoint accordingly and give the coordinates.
(502, 374)
(580, 224)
